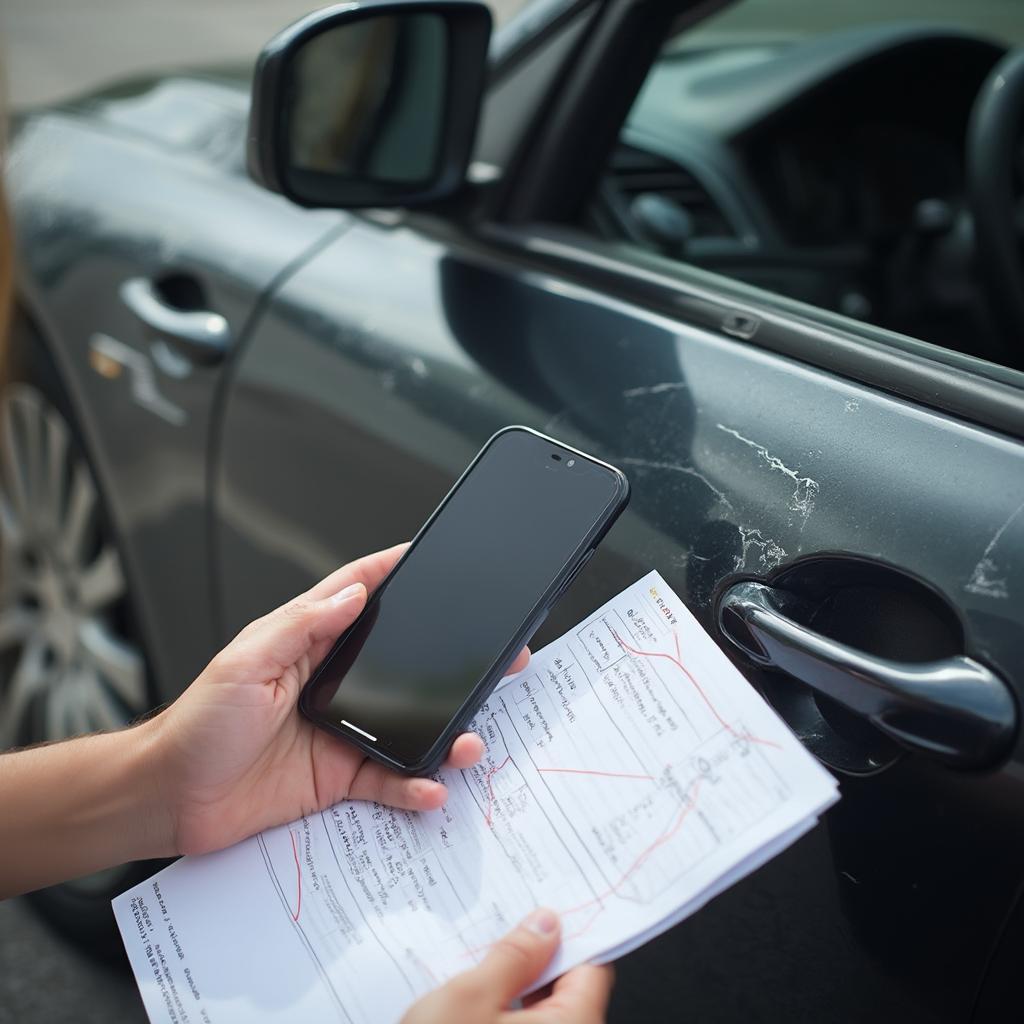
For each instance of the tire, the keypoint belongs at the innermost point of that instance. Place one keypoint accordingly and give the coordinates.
(71, 660)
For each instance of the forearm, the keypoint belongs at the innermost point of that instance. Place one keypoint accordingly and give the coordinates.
(68, 809)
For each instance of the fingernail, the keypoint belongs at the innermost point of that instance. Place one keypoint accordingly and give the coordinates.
(542, 922)
(347, 594)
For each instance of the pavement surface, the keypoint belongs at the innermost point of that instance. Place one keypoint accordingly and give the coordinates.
(42, 978)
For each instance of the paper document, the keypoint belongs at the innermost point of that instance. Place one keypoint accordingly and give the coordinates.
(631, 773)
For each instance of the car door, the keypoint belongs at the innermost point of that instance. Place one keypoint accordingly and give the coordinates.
(879, 486)
(146, 251)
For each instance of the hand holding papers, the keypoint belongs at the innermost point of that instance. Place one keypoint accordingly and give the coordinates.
(631, 774)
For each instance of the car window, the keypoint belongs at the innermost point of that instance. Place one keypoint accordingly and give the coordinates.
(818, 151)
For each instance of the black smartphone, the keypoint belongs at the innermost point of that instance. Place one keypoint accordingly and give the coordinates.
(478, 579)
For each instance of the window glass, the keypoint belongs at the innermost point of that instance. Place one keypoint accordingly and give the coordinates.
(818, 151)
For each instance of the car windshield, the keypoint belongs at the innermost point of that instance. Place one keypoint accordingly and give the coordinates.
(770, 20)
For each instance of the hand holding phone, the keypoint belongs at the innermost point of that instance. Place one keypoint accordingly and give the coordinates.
(476, 582)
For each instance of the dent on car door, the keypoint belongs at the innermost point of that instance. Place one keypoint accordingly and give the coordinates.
(145, 250)
(382, 365)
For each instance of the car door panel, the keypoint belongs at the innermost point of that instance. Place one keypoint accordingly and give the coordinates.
(382, 365)
(98, 208)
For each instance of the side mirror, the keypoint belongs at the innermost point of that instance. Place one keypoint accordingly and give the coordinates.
(370, 103)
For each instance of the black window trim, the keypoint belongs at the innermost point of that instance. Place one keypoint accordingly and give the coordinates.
(963, 386)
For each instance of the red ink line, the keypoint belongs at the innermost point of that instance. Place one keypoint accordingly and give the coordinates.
(490, 788)
(594, 771)
(298, 876)
(488, 814)
(678, 662)
(598, 900)
(433, 977)
(660, 841)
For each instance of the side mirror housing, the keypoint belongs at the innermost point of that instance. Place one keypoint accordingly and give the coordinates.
(372, 103)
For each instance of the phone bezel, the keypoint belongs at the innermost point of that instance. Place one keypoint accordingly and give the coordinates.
(436, 753)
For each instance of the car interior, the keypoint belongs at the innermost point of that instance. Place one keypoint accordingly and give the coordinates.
(833, 168)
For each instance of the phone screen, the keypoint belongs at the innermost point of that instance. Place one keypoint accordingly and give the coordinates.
(432, 632)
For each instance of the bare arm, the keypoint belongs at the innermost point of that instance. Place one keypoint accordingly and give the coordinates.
(68, 809)
(231, 757)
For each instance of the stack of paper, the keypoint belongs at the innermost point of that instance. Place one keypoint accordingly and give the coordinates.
(631, 774)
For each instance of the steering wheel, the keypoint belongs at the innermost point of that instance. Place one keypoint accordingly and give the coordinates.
(993, 134)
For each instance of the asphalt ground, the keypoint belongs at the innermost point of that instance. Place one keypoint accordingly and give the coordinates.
(44, 979)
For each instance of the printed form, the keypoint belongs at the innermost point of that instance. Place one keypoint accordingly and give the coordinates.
(631, 774)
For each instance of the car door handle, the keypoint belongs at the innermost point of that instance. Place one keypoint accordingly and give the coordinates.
(954, 709)
(201, 335)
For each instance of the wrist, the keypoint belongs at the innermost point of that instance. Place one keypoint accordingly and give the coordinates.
(152, 810)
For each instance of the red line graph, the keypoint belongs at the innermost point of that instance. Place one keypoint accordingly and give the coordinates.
(595, 771)
(488, 814)
(641, 857)
(678, 662)
(490, 789)
(298, 877)
(598, 901)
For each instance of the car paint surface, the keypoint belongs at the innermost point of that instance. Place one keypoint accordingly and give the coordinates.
(373, 358)
(146, 207)
(381, 365)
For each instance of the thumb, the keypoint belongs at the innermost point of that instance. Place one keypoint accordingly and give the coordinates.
(514, 962)
(300, 627)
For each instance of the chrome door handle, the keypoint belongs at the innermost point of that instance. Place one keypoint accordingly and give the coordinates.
(202, 335)
(954, 709)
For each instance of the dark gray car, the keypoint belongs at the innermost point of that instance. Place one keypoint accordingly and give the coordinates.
(767, 265)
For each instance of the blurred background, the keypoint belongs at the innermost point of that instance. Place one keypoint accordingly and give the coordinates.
(51, 49)
(57, 48)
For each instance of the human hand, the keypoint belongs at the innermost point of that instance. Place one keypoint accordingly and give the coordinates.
(482, 995)
(233, 753)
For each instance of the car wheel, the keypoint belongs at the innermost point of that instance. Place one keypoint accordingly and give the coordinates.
(70, 660)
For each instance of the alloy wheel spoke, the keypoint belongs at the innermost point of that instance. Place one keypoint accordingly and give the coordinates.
(27, 679)
(15, 626)
(81, 505)
(51, 580)
(74, 692)
(115, 663)
(95, 705)
(11, 527)
(56, 722)
(101, 582)
(56, 455)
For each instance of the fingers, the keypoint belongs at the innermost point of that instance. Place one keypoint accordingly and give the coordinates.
(297, 629)
(309, 624)
(466, 751)
(580, 996)
(368, 570)
(375, 782)
(522, 660)
(514, 962)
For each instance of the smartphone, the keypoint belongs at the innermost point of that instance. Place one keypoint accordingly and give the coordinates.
(478, 579)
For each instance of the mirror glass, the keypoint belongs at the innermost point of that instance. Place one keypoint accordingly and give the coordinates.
(365, 105)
